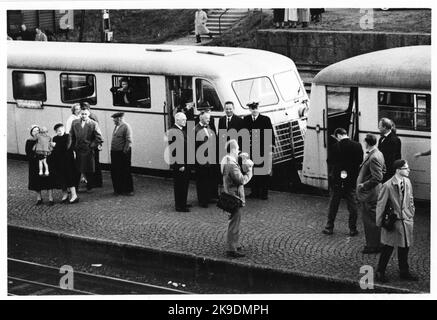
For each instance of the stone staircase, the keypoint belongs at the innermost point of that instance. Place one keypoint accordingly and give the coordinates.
(229, 17)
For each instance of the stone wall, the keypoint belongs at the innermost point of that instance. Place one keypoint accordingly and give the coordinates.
(318, 47)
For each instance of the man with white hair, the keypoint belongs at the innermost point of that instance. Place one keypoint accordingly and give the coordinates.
(181, 170)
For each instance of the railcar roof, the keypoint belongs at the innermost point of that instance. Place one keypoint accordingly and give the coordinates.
(237, 63)
(404, 67)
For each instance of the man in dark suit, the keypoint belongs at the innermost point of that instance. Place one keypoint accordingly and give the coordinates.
(230, 121)
(97, 180)
(206, 162)
(390, 146)
(86, 137)
(181, 169)
(369, 182)
(258, 125)
(344, 161)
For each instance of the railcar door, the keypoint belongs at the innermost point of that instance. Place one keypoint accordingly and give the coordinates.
(179, 92)
(342, 112)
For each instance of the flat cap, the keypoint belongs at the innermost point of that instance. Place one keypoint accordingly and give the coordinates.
(118, 115)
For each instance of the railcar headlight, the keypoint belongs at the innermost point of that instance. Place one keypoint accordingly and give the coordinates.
(303, 111)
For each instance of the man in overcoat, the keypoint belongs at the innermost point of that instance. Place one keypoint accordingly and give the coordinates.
(398, 192)
(180, 167)
(259, 126)
(368, 185)
(344, 161)
(86, 137)
(390, 146)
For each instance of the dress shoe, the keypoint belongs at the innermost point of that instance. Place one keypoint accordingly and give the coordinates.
(188, 205)
(240, 248)
(264, 198)
(182, 210)
(64, 201)
(380, 277)
(39, 202)
(235, 254)
(327, 231)
(252, 196)
(129, 194)
(408, 276)
(370, 250)
(204, 205)
(74, 201)
(51, 202)
(353, 233)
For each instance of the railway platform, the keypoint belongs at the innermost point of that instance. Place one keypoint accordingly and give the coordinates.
(282, 235)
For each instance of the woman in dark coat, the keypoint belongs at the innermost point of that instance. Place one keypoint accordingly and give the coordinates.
(38, 183)
(64, 164)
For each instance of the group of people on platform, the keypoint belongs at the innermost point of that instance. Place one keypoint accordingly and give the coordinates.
(71, 157)
(378, 182)
(234, 174)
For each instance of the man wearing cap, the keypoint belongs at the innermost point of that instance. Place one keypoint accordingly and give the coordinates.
(121, 154)
(258, 125)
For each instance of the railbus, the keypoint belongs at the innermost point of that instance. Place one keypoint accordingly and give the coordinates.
(355, 93)
(44, 79)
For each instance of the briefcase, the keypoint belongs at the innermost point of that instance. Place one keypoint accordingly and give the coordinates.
(229, 202)
(389, 217)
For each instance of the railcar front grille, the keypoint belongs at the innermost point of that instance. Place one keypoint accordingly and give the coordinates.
(289, 138)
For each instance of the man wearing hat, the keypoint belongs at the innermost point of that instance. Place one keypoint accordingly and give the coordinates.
(258, 125)
(121, 153)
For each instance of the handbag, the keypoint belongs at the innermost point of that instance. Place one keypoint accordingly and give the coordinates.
(229, 202)
(389, 217)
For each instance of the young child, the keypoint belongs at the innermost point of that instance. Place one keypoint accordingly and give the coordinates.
(245, 164)
(43, 148)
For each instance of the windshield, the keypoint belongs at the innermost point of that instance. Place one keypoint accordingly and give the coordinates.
(289, 85)
(258, 89)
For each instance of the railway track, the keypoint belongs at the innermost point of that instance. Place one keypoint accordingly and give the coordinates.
(29, 278)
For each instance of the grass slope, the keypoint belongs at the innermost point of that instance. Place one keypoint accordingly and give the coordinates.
(136, 26)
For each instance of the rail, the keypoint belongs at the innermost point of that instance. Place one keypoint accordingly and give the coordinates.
(220, 22)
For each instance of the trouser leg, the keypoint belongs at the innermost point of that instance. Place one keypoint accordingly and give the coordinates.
(126, 176)
(233, 234)
(202, 184)
(351, 202)
(178, 183)
(115, 171)
(384, 258)
(333, 207)
(371, 231)
(403, 260)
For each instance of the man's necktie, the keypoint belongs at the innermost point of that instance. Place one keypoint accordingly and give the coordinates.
(402, 188)
(227, 122)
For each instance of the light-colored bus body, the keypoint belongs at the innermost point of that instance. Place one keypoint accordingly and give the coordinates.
(393, 83)
(213, 67)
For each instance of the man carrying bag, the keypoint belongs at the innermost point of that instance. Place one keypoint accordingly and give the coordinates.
(233, 184)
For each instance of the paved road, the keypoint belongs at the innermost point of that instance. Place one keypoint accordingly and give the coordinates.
(282, 233)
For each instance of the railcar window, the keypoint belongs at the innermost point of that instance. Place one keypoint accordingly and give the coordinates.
(78, 87)
(410, 111)
(206, 95)
(289, 85)
(258, 89)
(338, 99)
(128, 91)
(29, 85)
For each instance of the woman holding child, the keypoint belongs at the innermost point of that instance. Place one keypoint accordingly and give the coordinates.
(37, 181)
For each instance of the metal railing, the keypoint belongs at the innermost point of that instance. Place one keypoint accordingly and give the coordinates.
(220, 22)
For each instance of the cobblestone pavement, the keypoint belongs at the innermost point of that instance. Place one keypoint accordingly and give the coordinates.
(281, 233)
